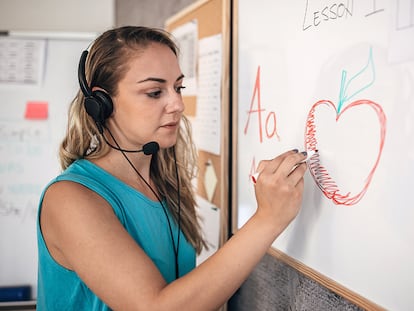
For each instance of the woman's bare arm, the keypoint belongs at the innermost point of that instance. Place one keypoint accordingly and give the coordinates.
(84, 235)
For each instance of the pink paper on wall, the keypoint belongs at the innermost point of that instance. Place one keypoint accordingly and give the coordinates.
(36, 110)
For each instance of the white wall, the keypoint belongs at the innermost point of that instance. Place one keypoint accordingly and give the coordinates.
(151, 13)
(57, 15)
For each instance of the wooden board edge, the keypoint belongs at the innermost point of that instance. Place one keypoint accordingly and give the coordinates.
(225, 114)
(330, 284)
(234, 107)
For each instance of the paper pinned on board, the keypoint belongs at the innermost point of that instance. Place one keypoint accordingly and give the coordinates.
(22, 61)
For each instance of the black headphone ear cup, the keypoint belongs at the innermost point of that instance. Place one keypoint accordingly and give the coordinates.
(93, 108)
(99, 107)
(106, 104)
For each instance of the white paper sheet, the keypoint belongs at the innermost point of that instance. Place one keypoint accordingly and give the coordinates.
(22, 61)
(207, 127)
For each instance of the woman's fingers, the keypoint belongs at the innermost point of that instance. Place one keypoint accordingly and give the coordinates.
(283, 165)
(271, 166)
(280, 185)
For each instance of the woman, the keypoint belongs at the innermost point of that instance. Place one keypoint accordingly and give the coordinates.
(118, 228)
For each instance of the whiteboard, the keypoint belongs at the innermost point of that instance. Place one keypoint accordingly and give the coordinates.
(29, 149)
(337, 77)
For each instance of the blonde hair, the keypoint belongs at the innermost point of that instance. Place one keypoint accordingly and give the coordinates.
(105, 67)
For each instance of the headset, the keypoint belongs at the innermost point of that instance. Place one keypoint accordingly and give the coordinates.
(98, 103)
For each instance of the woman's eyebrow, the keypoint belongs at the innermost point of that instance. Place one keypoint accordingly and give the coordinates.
(153, 79)
(181, 76)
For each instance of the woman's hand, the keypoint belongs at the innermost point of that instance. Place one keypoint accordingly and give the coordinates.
(279, 188)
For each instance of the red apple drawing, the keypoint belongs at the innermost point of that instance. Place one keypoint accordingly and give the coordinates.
(322, 174)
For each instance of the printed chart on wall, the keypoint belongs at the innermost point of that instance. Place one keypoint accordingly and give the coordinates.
(337, 77)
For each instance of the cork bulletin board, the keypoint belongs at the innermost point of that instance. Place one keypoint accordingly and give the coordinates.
(212, 22)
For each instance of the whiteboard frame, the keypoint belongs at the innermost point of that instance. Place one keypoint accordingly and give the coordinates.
(323, 280)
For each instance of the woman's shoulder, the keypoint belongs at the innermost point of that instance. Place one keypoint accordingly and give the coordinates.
(76, 186)
(81, 174)
(71, 193)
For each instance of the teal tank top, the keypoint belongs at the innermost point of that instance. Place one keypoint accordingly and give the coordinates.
(62, 289)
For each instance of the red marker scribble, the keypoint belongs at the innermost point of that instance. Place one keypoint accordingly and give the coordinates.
(320, 173)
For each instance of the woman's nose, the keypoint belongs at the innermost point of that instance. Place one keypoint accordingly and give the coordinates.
(175, 103)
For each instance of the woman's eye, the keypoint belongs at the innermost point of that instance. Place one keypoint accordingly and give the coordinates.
(178, 89)
(155, 94)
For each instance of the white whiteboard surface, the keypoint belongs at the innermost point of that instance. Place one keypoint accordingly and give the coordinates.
(29, 152)
(356, 222)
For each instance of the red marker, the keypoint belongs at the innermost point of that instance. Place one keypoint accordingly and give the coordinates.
(310, 154)
(254, 177)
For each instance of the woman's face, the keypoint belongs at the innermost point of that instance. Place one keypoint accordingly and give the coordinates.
(148, 105)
